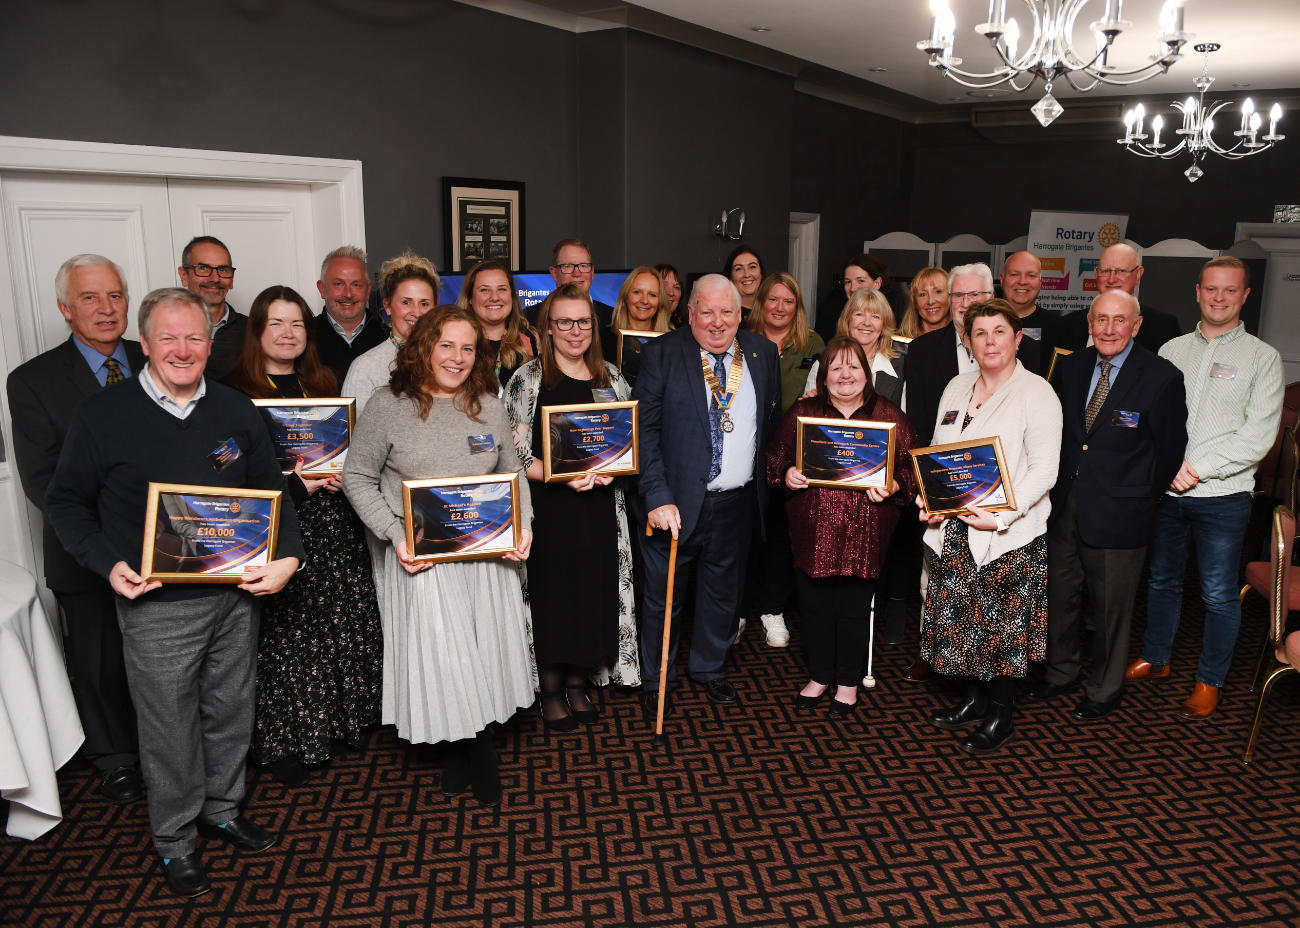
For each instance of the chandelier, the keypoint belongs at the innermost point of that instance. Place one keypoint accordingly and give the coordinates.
(1051, 53)
(1198, 127)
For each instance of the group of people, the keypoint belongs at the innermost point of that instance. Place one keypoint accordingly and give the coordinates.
(347, 627)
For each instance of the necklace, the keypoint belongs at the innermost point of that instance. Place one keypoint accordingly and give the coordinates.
(724, 397)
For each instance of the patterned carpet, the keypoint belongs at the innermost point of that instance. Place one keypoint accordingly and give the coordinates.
(754, 816)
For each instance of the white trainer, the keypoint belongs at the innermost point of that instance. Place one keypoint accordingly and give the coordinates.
(778, 636)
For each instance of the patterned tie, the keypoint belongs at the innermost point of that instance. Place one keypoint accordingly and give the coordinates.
(114, 372)
(1098, 397)
(715, 417)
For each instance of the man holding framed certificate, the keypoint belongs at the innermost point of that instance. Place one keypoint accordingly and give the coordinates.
(190, 648)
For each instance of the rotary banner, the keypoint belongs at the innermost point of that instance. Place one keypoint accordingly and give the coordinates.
(1069, 245)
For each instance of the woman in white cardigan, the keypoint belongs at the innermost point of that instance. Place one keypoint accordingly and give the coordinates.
(985, 614)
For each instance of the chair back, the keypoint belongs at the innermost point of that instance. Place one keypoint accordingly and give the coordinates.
(1288, 467)
(1280, 562)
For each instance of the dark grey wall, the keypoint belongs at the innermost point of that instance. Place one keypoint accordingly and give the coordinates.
(415, 91)
(965, 184)
(855, 169)
(687, 161)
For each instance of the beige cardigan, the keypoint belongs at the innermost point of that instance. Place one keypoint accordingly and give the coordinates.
(1026, 415)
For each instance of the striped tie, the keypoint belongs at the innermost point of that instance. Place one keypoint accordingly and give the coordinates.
(114, 372)
(1098, 397)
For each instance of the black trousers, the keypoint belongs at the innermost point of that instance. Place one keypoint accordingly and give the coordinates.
(93, 651)
(836, 615)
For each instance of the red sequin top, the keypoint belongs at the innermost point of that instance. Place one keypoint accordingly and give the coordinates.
(842, 533)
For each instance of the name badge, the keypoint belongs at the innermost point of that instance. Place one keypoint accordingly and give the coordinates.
(1035, 334)
(481, 443)
(1126, 418)
(225, 453)
(806, 364)
(1223, 371)
(949, 417)
(604, 394)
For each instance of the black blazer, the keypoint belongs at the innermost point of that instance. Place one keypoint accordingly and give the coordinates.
(931, 363)
(43, 394)
(676, 450)
(1126, 461)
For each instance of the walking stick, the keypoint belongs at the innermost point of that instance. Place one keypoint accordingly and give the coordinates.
(668, 626)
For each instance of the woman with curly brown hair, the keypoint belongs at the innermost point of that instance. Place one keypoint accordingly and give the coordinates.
(319, 645)
(456, 655)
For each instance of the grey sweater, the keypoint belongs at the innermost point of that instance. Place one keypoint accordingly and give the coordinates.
(391, 444)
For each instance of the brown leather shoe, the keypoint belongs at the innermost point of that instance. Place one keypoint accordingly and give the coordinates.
(919, 672)
(1201, 704)
(1143, 669)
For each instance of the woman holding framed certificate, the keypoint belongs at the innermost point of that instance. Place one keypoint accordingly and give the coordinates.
(985, 614)
(320, 645)
(456, 655)
(580, 576)
(489, 290)
(839, 535)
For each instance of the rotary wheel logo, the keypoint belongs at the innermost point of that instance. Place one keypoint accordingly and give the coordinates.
(604, 417)
(1108, 235)
(234, 506)
(857, 435)
(966, 456)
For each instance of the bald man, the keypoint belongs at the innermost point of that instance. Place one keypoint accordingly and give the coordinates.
(1022, 279)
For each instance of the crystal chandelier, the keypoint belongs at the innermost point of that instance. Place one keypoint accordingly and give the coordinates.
(1051, 53)
(1198, 127)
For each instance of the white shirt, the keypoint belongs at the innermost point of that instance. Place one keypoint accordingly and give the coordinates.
(168, 404)
(737, 445)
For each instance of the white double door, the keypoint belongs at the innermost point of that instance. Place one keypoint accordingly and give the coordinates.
(143, 223)
(277, 233)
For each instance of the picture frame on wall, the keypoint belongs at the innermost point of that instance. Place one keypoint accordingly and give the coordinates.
(482, 219)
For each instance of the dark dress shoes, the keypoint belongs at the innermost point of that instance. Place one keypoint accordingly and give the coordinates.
(185, 875)
(650, 703)
(995, 731)
(1089, 711)
(120, 785)
(1041, 689)
(288, 771)
(720, 692)
(970, 711)
(239, 833)
(841, 710)
(809, 702)
(581, 706)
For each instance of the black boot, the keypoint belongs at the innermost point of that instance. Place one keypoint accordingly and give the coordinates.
(894, 629)
(998, 727)
(970, 711)
(484, 773)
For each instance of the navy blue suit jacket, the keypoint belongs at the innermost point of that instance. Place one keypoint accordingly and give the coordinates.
(1126, 461)
(676, 450)
(43, 394)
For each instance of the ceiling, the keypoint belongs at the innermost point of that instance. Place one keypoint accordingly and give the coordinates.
(844, 42)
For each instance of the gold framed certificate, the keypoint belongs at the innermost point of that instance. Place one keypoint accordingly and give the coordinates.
(197, 534)
(1057, 354)
(954, 477)
(590, 438)
(850, 454)
(630, 344)
(461, 518)
(316, 430)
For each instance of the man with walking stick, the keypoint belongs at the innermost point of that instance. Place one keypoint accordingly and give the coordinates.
(709, 397)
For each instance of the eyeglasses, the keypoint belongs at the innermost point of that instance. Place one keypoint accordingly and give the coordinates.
(969, 294)
(583, 268)
(565, 325)
(205, 270)
(1115, 271)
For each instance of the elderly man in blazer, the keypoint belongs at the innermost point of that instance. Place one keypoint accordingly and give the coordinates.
(710, 395)
(1125, 428)
(43, 393)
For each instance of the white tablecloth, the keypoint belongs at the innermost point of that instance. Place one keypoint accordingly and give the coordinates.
(39, 726)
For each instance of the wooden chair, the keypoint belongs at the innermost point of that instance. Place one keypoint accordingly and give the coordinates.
(1274, 581)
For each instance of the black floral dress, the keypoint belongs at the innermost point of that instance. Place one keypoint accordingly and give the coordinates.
(320, 651)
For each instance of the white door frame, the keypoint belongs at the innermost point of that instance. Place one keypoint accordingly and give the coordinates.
(337, 204)
(805, 248)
